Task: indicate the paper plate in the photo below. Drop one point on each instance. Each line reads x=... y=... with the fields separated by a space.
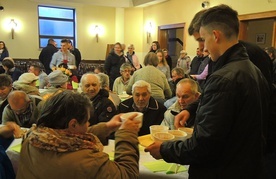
x=145 y=140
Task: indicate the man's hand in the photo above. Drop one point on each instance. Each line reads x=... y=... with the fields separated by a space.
x=131 y=124
x=9 y=129
x=114 y=123
x=154 y=150
x=181 y=118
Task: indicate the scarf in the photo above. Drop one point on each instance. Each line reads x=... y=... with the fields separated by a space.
x=60 y=140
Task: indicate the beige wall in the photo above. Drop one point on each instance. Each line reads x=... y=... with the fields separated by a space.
x=25 y=44
x=182 y=11
x=134 y=30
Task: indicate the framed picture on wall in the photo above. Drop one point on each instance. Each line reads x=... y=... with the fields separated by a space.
x=260 y=38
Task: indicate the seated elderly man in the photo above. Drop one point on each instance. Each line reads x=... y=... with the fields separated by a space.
x=42 y=76
x=187 y=93
x=142 y=101
x=22 y=109
x=104 y=108
x=57 y=81
x=26 y=82
x=5 y=89
x=120 y=83
x=177 y=75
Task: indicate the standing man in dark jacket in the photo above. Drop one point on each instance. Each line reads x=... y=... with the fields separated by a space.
x=104 y=108
x=113 y=63
x=228 y=135
x=196 y=61
x=46 y=54
x=75 y=52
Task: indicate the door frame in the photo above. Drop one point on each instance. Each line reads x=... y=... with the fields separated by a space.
x=163 y=40
x=244 y=19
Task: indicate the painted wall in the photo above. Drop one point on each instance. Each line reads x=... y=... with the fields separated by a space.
x=25 y=43
x=182 y=11
x=134 y=31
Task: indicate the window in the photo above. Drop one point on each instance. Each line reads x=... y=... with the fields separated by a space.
x=57 y=23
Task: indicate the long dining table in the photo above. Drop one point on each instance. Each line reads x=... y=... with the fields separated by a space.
x=145 y=158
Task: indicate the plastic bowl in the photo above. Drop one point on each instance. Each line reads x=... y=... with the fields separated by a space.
x=162 y=136
x=178 y=134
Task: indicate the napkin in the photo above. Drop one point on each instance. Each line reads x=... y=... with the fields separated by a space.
x=16 y=148
x=111 y=156
x=161 y=165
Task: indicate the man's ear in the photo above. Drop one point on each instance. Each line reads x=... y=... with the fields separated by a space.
x=72 y=124
x=197 y=95
x=216 y=35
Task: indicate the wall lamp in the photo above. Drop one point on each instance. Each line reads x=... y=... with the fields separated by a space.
x=97 y=31
x=12 y=25
x=149 y=31
x=205 y=4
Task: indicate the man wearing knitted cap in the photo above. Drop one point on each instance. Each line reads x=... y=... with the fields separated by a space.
x=22 y=109
x=57 y=80
x=26 y=82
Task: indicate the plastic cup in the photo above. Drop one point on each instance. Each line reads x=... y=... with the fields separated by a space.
x=158 y=128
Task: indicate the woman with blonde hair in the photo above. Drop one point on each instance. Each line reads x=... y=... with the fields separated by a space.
x=163 y=65
x=132 y=57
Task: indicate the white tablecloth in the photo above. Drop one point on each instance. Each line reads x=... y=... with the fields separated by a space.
x=144 y=157
x=144 y=172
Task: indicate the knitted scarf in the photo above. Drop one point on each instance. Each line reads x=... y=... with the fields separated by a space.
x=61 y=140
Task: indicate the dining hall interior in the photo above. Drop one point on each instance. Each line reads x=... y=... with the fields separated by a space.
x=127 y=21
x=100 y=25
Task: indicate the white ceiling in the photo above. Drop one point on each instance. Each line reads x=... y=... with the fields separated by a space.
x=112 y=3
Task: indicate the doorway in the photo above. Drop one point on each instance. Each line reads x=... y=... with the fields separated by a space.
x=259 y=28
x=172 y=37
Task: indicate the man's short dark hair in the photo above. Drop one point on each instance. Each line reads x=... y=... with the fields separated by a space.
x=221 y=17
x=36 y=67
x=5 y=80
x=192 y=28
x=271 y=50
x=64 y=41
x=51 y=41
x=7 y=63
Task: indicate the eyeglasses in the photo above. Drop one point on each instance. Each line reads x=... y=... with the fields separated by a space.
x=126 y=71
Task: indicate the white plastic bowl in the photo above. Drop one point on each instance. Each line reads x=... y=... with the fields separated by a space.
x=162 y=136
x=139 y=117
